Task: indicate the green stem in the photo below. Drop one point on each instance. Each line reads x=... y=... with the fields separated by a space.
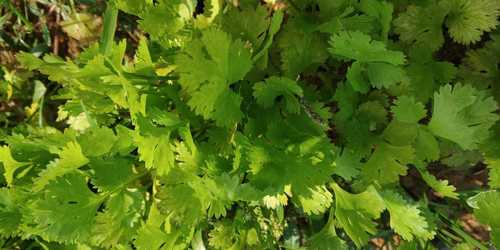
x=108 y=34
x=40 y=112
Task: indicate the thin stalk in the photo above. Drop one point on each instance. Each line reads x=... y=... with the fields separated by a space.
x=40 y=112
x=108 y=34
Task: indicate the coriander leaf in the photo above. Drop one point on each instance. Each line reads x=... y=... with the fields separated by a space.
x=70 y=158
x=10 y=165
x=421 y=26
x=382 y=11
x=327 y=238
x=163 y=21
x=112 y=173
x=405 y=218
x=66 y=210
x=406 y=109
x=156 y=152
x=426 y=74
x=486 y=206
x=296 y=53
x=400 y=133
x=10 y=213
x=355 y=213
x=442 y=187
x=187 y=204
x=494 y=172
x=374 y=63
x=208 y=67
x=384 y=75
x=357 y=78
x=463 y=115
x=387 y=163
x=120 y=219
x=360 y=47
x=249 y=24
x=491 y=152
x=480 y=66
x=347 y=164
x=266 y=93
x=468 y=19
x=426 y=146
x=97 y=141
x=151 y=237
x=275 y=171
x=223 y=190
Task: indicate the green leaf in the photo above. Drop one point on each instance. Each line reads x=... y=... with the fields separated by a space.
x=360 y=47
x=401 y=133
x=164 y=19
x=442 y=187
x=426 y=146
x=479 y=66
x=374 y=63
x=406 y=109
x=66 y=210
x=382 y=11
x=421 y=26
x=156 y=152
x=486 y=206
x=10 y=165
x=355 y=213
x=463 y=115
x=97 y=141
x=426 y=74
x=266 y=93
x=275 y=171
x=119 y=221
x=405 y=218
x=347 y=164
x=384 y=75
x=248 y=24
x=112 y=173
x=468 y=19
x=207 y=68
x=296 y=53
x=357 y=78
x=327 y=238
x=387 y=163
x=10 y=213
x=70 y=159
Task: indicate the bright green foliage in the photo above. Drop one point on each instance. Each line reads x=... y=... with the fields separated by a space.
x=360 y=47
x=10 y=214
x=219 y=62
x=440 y=186
x=426 y=74
x=70 y=159
x=463 y=114
x=10 y=165
x=486 y=205
x=406 y=219
x=69 y=202
x=355 y=213
x=406 y=109
x=374 y=63
x=305 y=124
x=387 y=163
x=298 y=170
x=468 y=19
